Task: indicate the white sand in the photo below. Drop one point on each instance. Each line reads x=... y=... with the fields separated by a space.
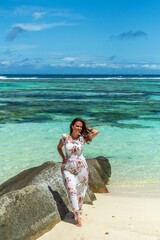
x=113 y=218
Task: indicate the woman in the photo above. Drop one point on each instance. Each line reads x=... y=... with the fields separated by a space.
x=74 y=166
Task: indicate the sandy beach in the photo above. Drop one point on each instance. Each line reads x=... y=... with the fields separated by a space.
x=113 y=217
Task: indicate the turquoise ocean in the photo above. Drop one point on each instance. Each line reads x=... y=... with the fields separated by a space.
x=35 y=110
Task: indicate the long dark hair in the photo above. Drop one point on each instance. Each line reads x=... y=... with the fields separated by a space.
x=78 y=120
x=85 y=133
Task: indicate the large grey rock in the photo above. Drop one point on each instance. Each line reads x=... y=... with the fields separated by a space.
x=26 y=213
x=99 y=174
x=47 y=173
x=37 y=200
x=103 y=167
x=90 y=196
x=32 y=202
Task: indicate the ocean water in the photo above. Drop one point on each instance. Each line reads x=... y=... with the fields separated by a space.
x=36 y=110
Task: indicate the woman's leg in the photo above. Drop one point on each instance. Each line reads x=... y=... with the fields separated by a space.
x=70 y=183
x=81 y=186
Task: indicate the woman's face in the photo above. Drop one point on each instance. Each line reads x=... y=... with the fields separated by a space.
x=77 y=127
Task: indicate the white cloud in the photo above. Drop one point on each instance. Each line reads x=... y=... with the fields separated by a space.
x=38 y=15
x=60 y=65
x=21 y=47
x=5 y=62
x=67 y=13
x=94 y=65
x=82 y=62
x=99 y=65
x=132 y=65
x=39 y=27
x=151 y=66
x=37 y=12
x=21 y=27
x=69 y=59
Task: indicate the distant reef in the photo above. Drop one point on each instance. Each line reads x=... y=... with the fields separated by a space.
x=35 y=200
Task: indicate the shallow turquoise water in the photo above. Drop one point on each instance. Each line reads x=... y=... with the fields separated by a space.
x=35 y=113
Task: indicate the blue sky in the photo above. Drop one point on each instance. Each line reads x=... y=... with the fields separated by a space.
x=75 y=36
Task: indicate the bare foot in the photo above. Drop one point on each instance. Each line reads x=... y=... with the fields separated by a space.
x=79 y=223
